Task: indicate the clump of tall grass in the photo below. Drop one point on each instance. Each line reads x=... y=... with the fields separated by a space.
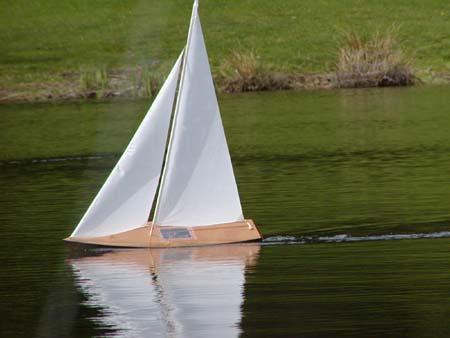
x=146 y=82
x=242 y=71
x=93 y=79
x=377 y=60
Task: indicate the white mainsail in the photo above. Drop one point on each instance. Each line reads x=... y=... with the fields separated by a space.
x=198 y=187
x=125 y=200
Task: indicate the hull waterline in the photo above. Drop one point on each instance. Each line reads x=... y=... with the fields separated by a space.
x=169 y=237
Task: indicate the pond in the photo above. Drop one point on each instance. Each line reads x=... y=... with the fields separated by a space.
x=324 y=173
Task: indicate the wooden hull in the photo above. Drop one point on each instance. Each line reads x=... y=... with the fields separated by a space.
x=169 y=237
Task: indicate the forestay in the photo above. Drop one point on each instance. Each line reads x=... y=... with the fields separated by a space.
x=198 y=186
x=125 y=200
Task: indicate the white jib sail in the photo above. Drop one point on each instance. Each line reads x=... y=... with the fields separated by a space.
x=198 y=186
x=125 y=200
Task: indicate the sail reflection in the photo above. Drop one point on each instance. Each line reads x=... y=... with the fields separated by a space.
x=184 y=292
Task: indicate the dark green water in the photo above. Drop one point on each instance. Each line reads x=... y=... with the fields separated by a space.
x=309 y=164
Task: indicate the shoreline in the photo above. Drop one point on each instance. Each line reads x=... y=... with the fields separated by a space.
x=121 y=86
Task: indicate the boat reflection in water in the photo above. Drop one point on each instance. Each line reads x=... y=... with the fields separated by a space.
x=183 y=292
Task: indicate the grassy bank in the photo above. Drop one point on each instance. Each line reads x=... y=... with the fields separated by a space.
x=49 y=47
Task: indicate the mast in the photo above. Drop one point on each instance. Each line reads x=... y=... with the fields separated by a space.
x=177 y=108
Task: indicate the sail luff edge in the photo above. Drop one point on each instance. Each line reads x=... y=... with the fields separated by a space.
x=177 y=108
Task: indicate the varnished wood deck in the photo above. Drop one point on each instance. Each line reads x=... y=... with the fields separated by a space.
x=244 y=231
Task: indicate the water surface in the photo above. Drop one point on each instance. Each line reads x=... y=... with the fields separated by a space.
x=328 y=166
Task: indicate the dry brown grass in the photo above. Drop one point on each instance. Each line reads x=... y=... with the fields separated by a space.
x=373 y=61
x=243 y=71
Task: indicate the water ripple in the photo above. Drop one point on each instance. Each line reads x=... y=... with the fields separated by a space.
x=273 y=240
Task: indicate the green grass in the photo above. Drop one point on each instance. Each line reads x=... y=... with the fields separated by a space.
x=40 y=40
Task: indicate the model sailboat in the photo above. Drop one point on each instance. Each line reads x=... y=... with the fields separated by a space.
x=197 y=201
